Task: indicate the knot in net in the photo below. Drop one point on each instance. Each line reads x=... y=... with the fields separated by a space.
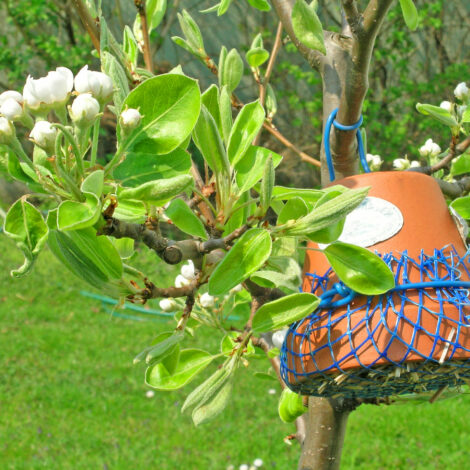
x=415 y=338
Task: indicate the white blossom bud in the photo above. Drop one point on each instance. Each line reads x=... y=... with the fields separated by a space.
x=168 y=305
x=237 y=288
x=130 y=118
x=462 y=92
x=461 y=110
x=272 y=391
x=401 y=164
x=7 y=131
x=11 y=94
x=278 y=337
x=414 y=164
x=207 y=300
x=149 y=393
x=96 y=83
x=11 y=109
x=447 y=105
x=49 y=90
x=44 y=135
x=430 y=149
x=84 y=110
x=244 y=467
x=187 y=270
x=258 y=463
x=181 y=281
x=374 y=161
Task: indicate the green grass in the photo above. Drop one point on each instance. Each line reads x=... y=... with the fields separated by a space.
x=71 y=399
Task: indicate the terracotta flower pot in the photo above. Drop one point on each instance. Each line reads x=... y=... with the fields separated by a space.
x=397 y=328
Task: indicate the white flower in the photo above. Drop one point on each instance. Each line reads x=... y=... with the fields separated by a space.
x=278 y=337
x=84 y=109
x=130 y=118
x=258 y=463
x=461 y=91
x=272 y=391
x=181 y=281
x=207 y=300
x=187 y=270
x=96 y=83
x=43 y=134
x=401 y=164
x=149 y=393
x=461 y=110
x=237 y=288
x=447 y=105
x=11 y=109
x=430 y=149
x=51 y=89
x=7 y=131
x=6 y=95
x=168 y=305
x=244 y=467
x=414 y=164
x=374 y=161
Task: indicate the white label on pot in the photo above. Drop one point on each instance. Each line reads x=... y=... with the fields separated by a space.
x=373 y=221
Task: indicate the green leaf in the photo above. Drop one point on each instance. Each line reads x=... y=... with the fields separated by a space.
x=284 y=311
x=461 y=165
x=256 y=57
x=245 y=128
x=246 y=256
x=261 y=5
x=462 y=206
x=191 y=362
x=310 y=196
x=160 y=346
x=228 y=343
x=133 y=172
x=226 y=113
x=155 y=10
x=249 y=170
x=25 y=225
x=207 y=138
x=273 y=279
x=327 y=214
x=267 y=185
x=294 y=209
x=210 y=99
x=94 y=183
x=290 y=406
x=130 y=47
x=114 y=69
x=212 y=409
x=466 y=115
x=157 y=192
x=124 y=246
x=410 y=14
x=192 y=34
x=271 y=102
x=169 y=105
x=223 y=7
x=74 y=215
x=232 y=71
x=307 y=26
x=360 y=269
x=264 y=376
x=439 y=114
x=131 y=211
x=185 y=219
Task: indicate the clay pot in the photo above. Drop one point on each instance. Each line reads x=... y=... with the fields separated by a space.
x=406 y=333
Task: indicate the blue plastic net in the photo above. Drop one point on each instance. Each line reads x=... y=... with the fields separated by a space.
x=415 y=338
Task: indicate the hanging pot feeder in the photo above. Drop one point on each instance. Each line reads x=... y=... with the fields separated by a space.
x=413 y=338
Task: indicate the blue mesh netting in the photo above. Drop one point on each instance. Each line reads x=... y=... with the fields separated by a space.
x=414 y=338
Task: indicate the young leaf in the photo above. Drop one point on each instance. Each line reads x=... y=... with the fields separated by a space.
x=226 y=113
x=284 y=311
x=25 y=225
x=360 y=269
x=245 y=128
x=130 y=46
x=261 y=5
x=121 y=86
x=461 y=165
x=290 y=406
x=212 y=409
x=246 y=256
x=274 y=279
x=161 y=346
x=133 y=172
x=74 y=215
x=169 y=105
x=210 y=99
x=256 y=57
x=249 y=170
x=439 y=114
x=307 y=26
x=124 y=246
x=192 y=34
x=232 y=71
x=94 y=183
x=267 y=185
x=223 y=7
x=294 y=209
x=191 y=362
x=462 y=206
x=185 y=219
x=158 y=192
x=410 y=14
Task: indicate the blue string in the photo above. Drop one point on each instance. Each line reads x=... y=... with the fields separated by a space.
x=326 y=139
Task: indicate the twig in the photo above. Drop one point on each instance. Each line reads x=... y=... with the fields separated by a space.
x=88 y=22
x=353 y=16
x=270 y=67
x=140 y=5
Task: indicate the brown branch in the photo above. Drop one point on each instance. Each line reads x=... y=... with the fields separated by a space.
x=88 y=22
x=140 y=5
x=352 y=15
x=272 y=61
x=203 y=207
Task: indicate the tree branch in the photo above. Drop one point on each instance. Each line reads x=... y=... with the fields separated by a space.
x=353 y=16
x=140 y=5
x=88 y=22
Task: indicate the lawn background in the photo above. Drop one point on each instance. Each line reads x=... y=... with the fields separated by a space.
x=70 y=397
